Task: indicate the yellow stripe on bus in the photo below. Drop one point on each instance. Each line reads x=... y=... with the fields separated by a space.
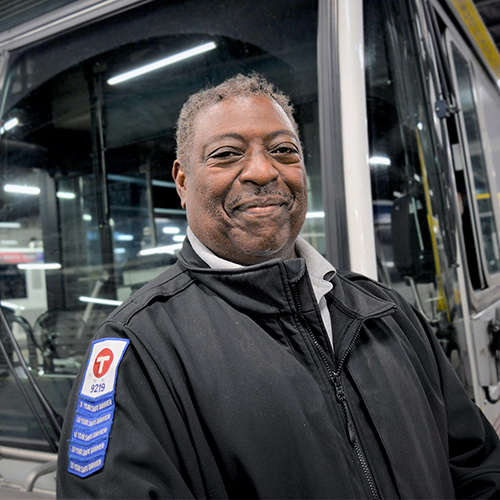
x=483 y=196
x=480 y=33
x=442 y=301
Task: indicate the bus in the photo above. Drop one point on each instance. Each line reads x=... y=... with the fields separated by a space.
x=398 y=104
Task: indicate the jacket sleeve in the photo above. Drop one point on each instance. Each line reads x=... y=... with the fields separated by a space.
x=474 y=446
x=150 y=451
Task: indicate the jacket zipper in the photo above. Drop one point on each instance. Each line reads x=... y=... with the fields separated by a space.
x=340 y=394
x=353 y=439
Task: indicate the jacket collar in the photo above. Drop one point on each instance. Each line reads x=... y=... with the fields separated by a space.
x=318 y=267
x=266 y=289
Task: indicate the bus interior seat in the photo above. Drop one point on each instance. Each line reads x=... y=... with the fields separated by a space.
x=64 y=338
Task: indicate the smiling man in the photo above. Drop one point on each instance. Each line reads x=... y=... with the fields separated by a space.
x=252 y=368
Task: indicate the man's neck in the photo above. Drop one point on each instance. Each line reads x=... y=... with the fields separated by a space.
x=207 y=255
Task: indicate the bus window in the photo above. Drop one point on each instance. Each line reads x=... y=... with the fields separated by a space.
x=481 y=196
x=86 y=155
x=414 y=226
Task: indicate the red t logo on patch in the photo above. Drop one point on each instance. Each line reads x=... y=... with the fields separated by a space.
x=102 y=362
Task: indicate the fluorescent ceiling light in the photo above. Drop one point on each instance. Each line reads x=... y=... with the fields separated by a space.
x=10 y=225
x=124 y=237
x=87 y=217
x=179 y=238
x=126 y=178
x=13 y=188
x=119 y=250
x=171 y=230
x=10 y=305
x=65 y=195
x=165 y=184
x=380 y=160
x=170 y=211
x=170 y=249
x=161 y=63
x=315 y=215
x=9 y=242
x=9 y=124
x=54 y=265
x=105 y=302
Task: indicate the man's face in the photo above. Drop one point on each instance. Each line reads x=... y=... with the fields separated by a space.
x=245 y=189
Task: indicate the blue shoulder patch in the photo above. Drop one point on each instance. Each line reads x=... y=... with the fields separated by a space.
x=95 y=408
x=85 y=468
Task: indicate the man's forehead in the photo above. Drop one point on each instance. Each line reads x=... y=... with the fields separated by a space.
x=229 y=117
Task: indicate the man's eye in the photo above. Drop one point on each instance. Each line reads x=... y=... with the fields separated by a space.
x=285 y=150
x=224 y=155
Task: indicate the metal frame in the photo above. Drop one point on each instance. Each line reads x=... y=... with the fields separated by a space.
x=344 y=140
x=59 y=20
x=48 y=465
x=332 y=165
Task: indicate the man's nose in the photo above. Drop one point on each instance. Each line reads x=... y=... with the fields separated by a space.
x=259 y=169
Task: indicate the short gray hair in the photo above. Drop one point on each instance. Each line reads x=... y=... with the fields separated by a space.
x=233 y=88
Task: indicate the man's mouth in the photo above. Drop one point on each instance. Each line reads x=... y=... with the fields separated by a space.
x=263 y=205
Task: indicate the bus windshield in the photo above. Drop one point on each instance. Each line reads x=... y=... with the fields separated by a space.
x=88 y=207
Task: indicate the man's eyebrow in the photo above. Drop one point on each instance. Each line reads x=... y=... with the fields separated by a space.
x=283 y=132
x=272 y=135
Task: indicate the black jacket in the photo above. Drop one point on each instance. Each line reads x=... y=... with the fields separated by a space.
x=229 y=388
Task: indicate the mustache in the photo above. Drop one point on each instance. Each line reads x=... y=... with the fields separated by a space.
x=259 y=196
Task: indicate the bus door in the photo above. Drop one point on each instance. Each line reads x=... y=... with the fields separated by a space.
x=413 y=199
x=473 y=129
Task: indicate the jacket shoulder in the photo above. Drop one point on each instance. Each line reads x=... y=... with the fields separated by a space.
x=361 y=278
x=371 y=286
x=164 y=286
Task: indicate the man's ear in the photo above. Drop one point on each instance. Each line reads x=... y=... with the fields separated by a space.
x=179 y=176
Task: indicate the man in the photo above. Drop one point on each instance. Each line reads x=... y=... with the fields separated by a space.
x=251 y=368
